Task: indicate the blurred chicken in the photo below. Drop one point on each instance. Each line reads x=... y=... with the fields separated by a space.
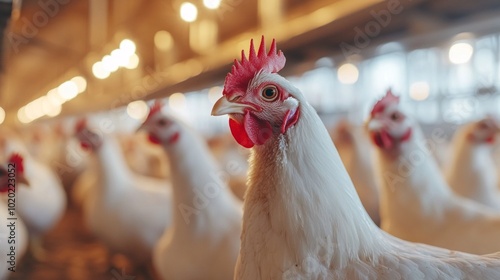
x=233 y=160
x=12 y=232
x=142 y=157
x=472 y=173
x=356 y=154
x=303 y=218
x=129 y=212
x=44 y=202
x=416 y=203
x=203 y=242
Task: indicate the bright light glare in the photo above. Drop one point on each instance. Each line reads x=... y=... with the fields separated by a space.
x=348 y=74
x=164 y=40
x=54 y=97
x=2 y=115
x=68 y=90
x=22 y=117
x=138 y=109
x=177 y=101
x=120 y=57
x=189 y=12
x=128 y=46
x=133 y=62
x=100 y=71
x=80 y=82
x=109 y=64
x=211 y=4
x=460 y=53
x=34 y=110
x=419 y=91
x=49 y=108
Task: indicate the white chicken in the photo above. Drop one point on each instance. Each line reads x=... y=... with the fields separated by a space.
x=416 y=203
x=472 y=173
x=13 y=233
x=203 y=241
x=356 y=154
x=42 y=204
x=128 y=212
x=233 y=160
x=302 y=216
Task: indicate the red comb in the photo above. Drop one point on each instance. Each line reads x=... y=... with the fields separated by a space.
x=81 y=125
x=155 y=108
x=243 y=71
x=17 y=159
x=389 y=98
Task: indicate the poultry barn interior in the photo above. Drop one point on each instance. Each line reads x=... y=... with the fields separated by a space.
x=113 y=124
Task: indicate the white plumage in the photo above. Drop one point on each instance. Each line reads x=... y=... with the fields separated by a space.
x=416 y=203
x=302 y=216
x=127 y=211
x=356 y=153
x=203 y=241
x=472 y=173
x=42 y=204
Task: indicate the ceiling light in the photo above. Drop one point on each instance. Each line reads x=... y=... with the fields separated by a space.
x=138 y=109
x=419 y=91
x=348 y=74
x=2 y=115
x=80 y=82
x=460 y=53
x=68 y=90
x=211 y=4
x=133 y=62
x=164 y=40
x=128 y=46
x=99 y=70
x=189 y=12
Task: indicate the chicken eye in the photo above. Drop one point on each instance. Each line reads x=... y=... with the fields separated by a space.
x=395 y=116
x=162 y=122
x=270 y=93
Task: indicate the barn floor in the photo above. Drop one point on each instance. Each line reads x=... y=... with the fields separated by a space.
x=74 y=254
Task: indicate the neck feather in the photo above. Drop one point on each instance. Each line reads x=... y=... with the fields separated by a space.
x=411 y=179
x=198 y=184
x=112 y=164
x=298 y=180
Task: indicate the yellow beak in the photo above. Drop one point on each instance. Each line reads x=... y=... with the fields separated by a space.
x=224 y=106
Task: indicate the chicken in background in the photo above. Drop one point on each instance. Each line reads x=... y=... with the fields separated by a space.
x=355 y=151
x=302 y=216
x=472 y=172
x=144 y=158
x=127 y=211
x=203 y=241
x=20 y=238
x=234 y=160
x=42 y=205
x=416 y=203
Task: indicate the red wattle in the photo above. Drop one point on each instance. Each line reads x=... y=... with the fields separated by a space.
x=490 y=140
x=383 y=140
x=239 y=134
x=257 y=130
x=153 y=139
x=85 y=145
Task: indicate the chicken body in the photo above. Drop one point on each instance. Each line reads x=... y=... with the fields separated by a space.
x=302 y=216
x=127 y=211
x=472 y=173
x=416 y=202
x=356 y=153
x=203 y=241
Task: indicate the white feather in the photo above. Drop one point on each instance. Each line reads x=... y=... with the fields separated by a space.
x=304 y=220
